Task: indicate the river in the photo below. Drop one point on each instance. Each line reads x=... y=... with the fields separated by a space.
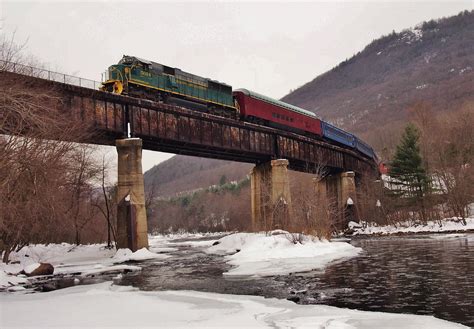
x=430 y=274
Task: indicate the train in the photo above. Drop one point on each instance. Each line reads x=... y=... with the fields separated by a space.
x=141 y=78
x=146 y=79
x=261 y=109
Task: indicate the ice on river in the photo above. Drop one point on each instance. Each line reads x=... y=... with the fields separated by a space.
x=261 y=254
x=106 y=305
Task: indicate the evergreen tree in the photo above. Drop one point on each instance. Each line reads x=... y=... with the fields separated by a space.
x=223 y=180
x=407 y=168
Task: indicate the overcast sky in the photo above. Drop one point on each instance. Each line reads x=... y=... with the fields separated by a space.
x=268 y=47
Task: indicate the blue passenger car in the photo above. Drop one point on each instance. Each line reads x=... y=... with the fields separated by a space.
x=338 y=135
x=364 y=148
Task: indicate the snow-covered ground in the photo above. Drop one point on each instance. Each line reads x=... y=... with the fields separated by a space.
x=260 y=254
x=106 y=305
x=446 y=225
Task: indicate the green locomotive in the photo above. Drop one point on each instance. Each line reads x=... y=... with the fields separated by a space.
x=145 y=79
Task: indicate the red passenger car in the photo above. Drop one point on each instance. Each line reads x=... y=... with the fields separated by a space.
x=256 y=107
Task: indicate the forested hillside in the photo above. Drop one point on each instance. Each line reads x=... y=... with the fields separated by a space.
x=183 y=173
x=372 y=94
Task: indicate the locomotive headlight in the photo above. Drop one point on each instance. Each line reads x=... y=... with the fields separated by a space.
x=118 y=87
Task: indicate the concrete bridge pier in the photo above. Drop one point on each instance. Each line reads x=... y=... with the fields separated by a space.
x=348 y=199
x=270 y=195
x=132 y=231
x=337 y=194
x=348 y=188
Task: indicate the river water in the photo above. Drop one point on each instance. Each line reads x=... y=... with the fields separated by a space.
x=431 y=275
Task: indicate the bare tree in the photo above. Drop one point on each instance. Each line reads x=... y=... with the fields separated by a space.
x=107 y=203
x=315 y=210
x=36 y=165
x=80 y=182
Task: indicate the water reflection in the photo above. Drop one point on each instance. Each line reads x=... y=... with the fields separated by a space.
x=419 y=275
x=407 y=275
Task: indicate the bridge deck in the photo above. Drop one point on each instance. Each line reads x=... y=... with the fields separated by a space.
x=178 y=130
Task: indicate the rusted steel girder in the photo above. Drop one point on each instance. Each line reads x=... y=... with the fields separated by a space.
x=174 y=129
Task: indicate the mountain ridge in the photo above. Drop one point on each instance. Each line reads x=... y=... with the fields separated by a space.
x=394 y=72
x=369 y=94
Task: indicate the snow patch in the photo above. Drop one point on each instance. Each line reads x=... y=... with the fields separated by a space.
x=30 y=268
x=259 y=254
x=9 y=280
x=464 y=70
x=412 y=35
x=352 y=225
x=125 y=255
x=446 y=225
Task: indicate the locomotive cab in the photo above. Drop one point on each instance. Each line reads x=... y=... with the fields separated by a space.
x=114 y=79
x=118 y=75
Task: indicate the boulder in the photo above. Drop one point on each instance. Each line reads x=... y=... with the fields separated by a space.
x=41 y=269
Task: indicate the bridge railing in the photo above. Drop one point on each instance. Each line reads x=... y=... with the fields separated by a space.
x=48 y=75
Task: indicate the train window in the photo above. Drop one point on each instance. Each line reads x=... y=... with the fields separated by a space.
x=168 y=70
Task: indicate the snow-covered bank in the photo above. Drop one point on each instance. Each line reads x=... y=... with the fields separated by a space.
x=446 y=225
x=259 y=254
x=83 y=260
x=93 y=259
x=105 y=305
